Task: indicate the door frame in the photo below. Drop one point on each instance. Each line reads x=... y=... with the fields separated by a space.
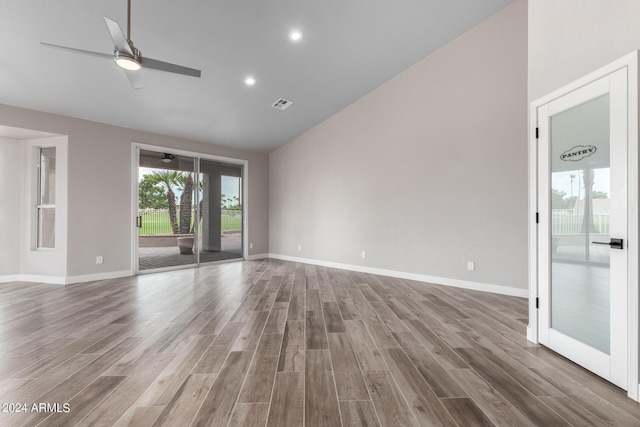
x=630 y=62
x=135 y=163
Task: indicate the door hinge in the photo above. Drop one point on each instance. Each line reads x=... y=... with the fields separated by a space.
x=537 y=302
x=537 y=218
x=537 y=133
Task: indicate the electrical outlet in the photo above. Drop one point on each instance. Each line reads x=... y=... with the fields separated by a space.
x=250 y=245
x=471 y=265
x=99 y=259
x=299 y=247
x=364 y=255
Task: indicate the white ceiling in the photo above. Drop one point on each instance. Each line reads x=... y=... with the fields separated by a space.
x=349 y=47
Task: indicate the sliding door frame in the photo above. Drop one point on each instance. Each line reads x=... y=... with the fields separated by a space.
x=135 y=163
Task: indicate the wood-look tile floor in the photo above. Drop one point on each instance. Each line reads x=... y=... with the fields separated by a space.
x=271 y=343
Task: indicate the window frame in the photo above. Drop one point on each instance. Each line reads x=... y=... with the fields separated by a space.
x=39 y=206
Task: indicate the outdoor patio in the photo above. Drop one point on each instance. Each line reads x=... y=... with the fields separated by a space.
x=161 y=257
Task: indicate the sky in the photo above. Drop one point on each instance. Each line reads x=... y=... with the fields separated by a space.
x=562 y=182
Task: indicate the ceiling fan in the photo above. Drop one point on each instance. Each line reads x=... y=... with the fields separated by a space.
x=128 y=57
x=167 y=158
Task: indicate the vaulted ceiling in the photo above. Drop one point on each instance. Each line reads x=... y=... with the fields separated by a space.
x=348 y=47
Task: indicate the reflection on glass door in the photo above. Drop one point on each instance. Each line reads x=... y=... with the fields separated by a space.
x=580 y=188
x=220 y=199
x=166 y=210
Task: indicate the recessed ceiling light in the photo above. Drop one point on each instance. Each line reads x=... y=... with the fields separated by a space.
x=250 y=81
x=295 y=35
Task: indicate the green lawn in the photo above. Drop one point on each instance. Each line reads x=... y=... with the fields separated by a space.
x=158 y=223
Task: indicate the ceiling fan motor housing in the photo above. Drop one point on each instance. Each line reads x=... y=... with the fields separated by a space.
x=127 y=61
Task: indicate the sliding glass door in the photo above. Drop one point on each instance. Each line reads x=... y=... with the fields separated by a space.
x=221 y=211
x=189 y=211
x=166 y=186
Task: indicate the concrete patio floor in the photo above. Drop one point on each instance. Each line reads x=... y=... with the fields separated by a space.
x=162 y=257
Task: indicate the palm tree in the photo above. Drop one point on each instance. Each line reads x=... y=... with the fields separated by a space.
x=168 y=179
x=200 y=199
x=185 y=180
x=588 y=223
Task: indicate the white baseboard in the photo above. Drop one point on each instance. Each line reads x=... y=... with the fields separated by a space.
x=35 y=278
x=98 y=276
x=58 y=280
x=531 y=336
x=10 y=278
x=477 y=286
x=256 y=256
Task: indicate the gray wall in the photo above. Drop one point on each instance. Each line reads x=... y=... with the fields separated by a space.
x=425 y=173
x=99 y=191
x=10 y=202
x=571 y=38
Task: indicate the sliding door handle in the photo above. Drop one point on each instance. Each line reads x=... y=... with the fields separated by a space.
x=613 y=243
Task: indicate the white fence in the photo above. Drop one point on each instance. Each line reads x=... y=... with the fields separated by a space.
x=566 y=222
x=156 y=221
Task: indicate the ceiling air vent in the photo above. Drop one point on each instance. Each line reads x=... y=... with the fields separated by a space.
x=282 y=104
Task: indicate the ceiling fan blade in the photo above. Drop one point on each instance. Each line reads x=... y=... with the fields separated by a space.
x=154 y=64
x=81 y=51
x=119 y=39
x=135 y=78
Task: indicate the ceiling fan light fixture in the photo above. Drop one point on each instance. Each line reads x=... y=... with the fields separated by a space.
x=167 y=157
x=126 y=61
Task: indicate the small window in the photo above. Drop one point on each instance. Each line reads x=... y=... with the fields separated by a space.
x=46 y=199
